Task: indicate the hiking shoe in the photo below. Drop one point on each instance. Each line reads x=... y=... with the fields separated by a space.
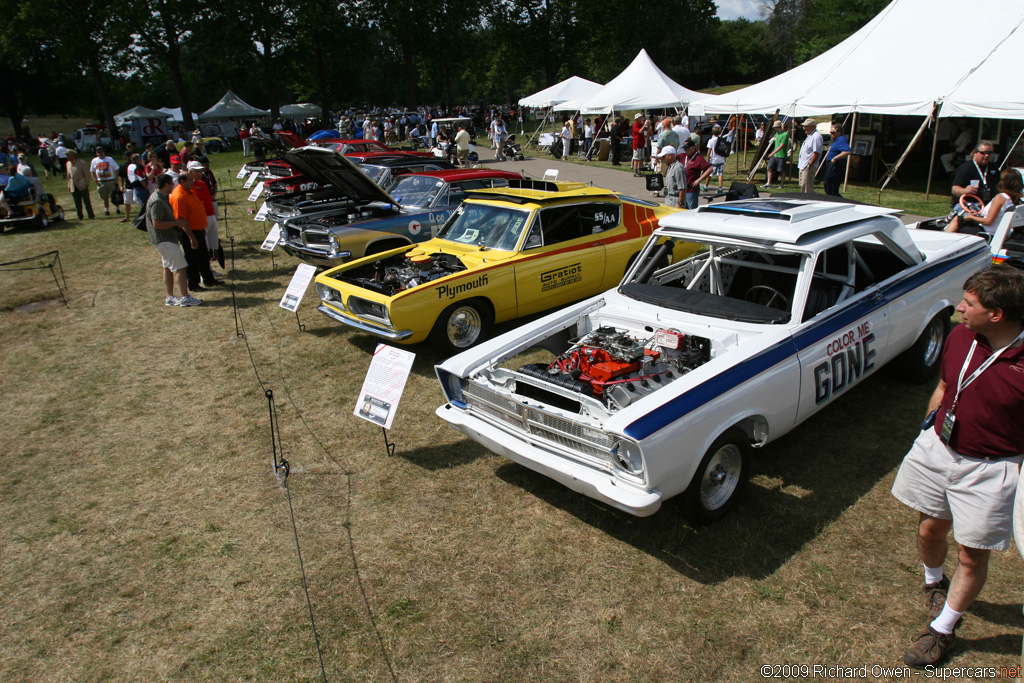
x=171 y=301
x=930 y=648
x=936 y=596
x=189 y=300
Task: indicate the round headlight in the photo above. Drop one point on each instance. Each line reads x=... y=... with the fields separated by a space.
x=629 y=458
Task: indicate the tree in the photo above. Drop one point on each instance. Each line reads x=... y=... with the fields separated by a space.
x=163 y=25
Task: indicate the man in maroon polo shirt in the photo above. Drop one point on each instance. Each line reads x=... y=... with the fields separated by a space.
x=962 y=470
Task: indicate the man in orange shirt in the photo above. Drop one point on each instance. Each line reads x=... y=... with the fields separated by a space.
x=187 y=206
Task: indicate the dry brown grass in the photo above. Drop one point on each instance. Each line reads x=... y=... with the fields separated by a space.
x=147 y=538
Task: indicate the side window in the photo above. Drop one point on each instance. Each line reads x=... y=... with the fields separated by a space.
x=831 y=281
x=499 y=182
x=875 y=262
x=560 y=224
x=597 y=218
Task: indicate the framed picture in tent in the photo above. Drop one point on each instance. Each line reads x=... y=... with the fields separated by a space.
x=863 y=145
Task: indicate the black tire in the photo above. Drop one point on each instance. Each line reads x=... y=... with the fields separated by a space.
x=58 y=215
x=41 y=220
x=720 y=478
x=920 y=363
x=460 y=326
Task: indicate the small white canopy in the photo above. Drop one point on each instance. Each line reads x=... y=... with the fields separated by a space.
x=304 y=109
x=641 y=85
x=902 y=62
x=139 y=113
x=231 y=106
x=572 y=88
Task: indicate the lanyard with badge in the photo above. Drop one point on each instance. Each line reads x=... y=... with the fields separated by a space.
x=986 y=192
x=949 y=421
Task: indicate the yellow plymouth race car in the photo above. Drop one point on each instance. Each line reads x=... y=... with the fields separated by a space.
x=505 y=253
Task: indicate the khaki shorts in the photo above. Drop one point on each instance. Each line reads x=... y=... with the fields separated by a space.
x=976 y=494
x=105 y=188
x=171 y=256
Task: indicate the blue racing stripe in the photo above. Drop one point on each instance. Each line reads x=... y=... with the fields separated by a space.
x=732 y=377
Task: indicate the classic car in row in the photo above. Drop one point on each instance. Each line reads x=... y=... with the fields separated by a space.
x=422 y=204
x=503 y=254
x=664 y=384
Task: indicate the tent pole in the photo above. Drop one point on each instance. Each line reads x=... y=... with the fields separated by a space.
x=892 y=171
x=1006 y=157
x=853 y=132
x=931 y=163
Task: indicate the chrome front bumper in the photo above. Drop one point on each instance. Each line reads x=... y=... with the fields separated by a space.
x=363 y=326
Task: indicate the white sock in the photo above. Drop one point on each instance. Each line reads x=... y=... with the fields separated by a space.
x=946 y=622
x=932 y=574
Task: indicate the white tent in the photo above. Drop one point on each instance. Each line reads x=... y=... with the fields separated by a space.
x=304 y=109
x=231 y=106
x=572 y=88
x=139 y=113
x=641 y=85
x=174 y=113
x=902 y=62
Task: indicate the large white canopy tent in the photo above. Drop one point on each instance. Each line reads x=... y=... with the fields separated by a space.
x=641 y=85
x=572 y=88
x=231 y=106
x=902 y=63
x=174 y=113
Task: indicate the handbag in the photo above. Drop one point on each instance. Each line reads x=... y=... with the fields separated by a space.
x=655 y=181
x=140 y=222
x=116 y=197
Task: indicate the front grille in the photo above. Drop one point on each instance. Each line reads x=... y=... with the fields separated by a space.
x=552 y=428
x=315 y=238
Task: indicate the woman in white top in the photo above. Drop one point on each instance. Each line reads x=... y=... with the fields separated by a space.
x=1011 y=187
x=566 y=140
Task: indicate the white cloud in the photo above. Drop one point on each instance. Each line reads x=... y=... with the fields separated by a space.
x=739 y=9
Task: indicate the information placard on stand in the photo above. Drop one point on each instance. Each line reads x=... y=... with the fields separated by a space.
x=261 y=215
x=273 y=237
x=297 y=287
x=256 y=192
x=251 y=179
x=385 y=381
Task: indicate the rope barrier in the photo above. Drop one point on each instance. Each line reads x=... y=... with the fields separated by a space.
x=282 y=469
x=9 y=267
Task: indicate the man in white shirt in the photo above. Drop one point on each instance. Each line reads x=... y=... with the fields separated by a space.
x=810 y=153
x=104 y=172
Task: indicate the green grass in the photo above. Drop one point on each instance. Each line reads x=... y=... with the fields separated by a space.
x=148 y=540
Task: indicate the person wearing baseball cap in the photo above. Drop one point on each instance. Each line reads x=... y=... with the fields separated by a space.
x=199 y=260
x=777 y=155
x=175 y=170
x=810 y=153
x=697 y=171
x=675 y=178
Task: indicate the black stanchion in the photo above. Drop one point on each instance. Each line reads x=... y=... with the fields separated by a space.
x=388 y=446
x=302 y=328
x=239 y=332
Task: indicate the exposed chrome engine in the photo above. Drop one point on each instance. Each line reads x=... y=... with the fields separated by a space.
x=398 y=273
x=617 y=368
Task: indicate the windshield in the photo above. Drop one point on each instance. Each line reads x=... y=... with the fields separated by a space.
x=335 y=146
x=743 y=283
x=493 y=227
x=415 y=190
x=375 y=173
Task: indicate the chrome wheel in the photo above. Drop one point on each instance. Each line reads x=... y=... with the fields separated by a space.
x=721 y=477
x=934 y=336
x=463 y=327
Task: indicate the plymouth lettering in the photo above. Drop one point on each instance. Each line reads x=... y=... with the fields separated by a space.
x=561 y=277
x=845 y=365
x=452 y=291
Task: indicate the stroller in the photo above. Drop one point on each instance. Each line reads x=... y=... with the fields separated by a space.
x=23 y=202
x=511 y=149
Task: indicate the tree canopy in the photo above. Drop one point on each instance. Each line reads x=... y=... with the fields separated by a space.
x=93 y=61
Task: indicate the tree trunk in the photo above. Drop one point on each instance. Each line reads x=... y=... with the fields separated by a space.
x=321 y=82
x=101 y=91
x=410 y=78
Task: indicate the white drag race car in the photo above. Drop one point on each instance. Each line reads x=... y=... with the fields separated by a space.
x=664 y=385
